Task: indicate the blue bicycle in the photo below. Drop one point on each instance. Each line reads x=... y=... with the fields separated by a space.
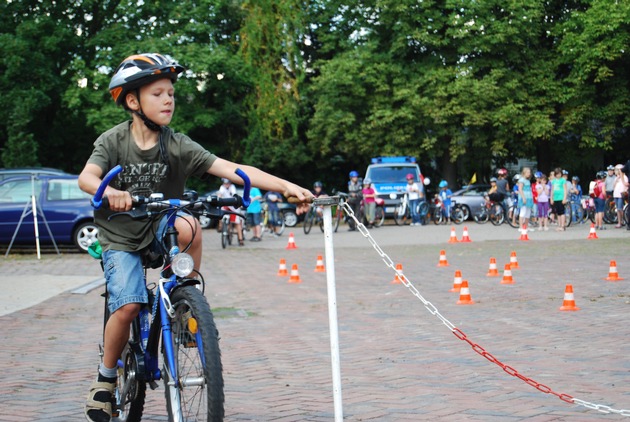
x=176 y=323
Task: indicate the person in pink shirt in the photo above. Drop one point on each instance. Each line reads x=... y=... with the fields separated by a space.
x=369 y=202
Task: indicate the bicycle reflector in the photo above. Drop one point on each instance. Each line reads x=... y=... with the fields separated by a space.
x=182 y=264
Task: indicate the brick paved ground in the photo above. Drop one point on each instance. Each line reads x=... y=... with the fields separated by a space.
x=398 y=362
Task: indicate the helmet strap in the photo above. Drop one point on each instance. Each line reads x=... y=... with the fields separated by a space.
x=156 y=128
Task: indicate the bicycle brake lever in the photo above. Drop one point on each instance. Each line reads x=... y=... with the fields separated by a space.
x=135 y=214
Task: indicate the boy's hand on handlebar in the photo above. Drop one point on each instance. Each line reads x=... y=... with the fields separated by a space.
x=300 y=196
x=118 y=200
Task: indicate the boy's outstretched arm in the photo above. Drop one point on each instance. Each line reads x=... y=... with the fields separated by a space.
x=260 y=179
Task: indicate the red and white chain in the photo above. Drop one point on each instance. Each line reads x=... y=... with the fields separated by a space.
x=460 y=334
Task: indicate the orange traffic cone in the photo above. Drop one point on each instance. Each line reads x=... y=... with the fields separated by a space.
x=514 y=261
x=492 y=269
x=569 y=300
x=613 y=275
x=398 y=279
x=453 y=238
x=291 y=244
x=507 y=275
x=457 y=281
x=319 y=265
x=524 y=235
x=295 y=276
x=464 y=294
x=282 y=268
x=592 y=234
x=443 y=262
x=465 y=237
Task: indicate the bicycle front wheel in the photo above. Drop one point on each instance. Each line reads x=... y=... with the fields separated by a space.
x=513 y=216
x=400 y=214
x=198 y=394
x=308 y=222
x=457 y=215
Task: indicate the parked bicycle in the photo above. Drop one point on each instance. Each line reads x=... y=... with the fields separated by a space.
x=176 y=323
x=402 y=212
x=313 y=217
x=270 y=227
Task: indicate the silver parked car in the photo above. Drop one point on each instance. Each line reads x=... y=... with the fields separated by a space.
x=470 y=198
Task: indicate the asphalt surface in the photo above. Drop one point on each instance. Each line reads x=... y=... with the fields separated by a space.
x=398 y=361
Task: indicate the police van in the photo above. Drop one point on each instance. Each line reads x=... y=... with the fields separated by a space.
x=389 y=178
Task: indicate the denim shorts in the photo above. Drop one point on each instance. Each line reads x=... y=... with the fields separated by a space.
x=619 y=203
x=124 y=273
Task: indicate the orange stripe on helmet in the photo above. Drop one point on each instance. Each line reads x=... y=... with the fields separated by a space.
x=140 y=57
x=116 y=93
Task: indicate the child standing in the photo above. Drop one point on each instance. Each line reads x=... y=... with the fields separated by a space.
x=559 y=195
x=525 y=198
x=369 y=202
x=445 y=197
x=542 y=188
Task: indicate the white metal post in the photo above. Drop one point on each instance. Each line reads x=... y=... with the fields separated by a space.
x=332 y=312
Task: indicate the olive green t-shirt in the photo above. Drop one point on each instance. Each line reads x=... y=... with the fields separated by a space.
x=143 y=173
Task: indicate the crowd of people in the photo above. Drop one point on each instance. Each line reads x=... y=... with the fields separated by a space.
x=555 y=192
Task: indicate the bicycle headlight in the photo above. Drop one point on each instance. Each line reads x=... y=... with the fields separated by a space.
x=182 y=265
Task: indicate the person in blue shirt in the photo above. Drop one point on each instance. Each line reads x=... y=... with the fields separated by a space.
x=273 y=199
x=254 y=217
x=445 y=197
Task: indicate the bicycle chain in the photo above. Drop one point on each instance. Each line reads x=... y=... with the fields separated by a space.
x=460 y=334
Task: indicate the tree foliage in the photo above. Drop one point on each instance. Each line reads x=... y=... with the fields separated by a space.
x=314 y=88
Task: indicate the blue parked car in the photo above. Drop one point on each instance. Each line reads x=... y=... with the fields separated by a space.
x=67 y=209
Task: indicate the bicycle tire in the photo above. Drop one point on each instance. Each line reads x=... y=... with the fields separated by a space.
x=379 y=216
x=626 y=214
x=308 y=221
x=224 y=234
x=202 y=397
x=497 y=215
x=568 y=215
x=610 y=211
x=513 y=217
x=423 y=211
x=457 y=215
x=482 y=217
x=438 y=216
x=131 y=410
x=230 y=233
x=338 y=212
x=400 y=214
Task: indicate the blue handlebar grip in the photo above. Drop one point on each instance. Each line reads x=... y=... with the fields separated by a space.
x=97 y=200
x=246 y=187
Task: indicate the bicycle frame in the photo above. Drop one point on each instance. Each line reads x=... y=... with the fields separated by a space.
x=145 y=339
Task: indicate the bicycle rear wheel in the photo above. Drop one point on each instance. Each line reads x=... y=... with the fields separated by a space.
x=379 y=216
x=497 y=215
x=199 y=394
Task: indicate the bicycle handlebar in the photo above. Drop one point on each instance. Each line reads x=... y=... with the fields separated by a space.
x=97 y=200
x=157 y=203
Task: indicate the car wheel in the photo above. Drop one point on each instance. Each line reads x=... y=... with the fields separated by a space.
x=84 y=235
x=205 y=221
x=290 y=218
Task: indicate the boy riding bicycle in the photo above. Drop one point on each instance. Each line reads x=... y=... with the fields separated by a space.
x=155 y=159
